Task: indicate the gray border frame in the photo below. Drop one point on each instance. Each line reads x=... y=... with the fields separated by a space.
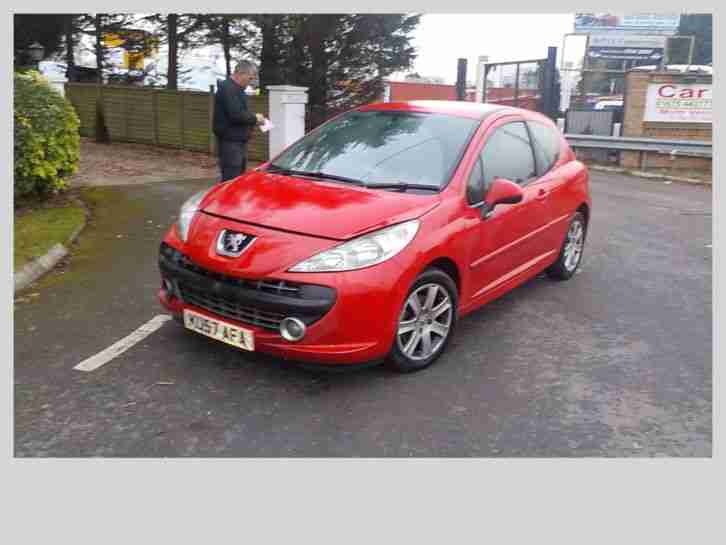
x=519 y=501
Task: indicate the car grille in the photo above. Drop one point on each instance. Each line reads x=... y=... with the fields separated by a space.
x=258 y=302
x=278 y=287
x=230 y=309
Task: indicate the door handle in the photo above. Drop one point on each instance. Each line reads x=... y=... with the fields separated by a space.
x=542 y=194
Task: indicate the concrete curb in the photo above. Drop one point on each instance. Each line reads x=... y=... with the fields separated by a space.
x=148 y=179
x=138 y=180
x=649 y=175
x=41 y=265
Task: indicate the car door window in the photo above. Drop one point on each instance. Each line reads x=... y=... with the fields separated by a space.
x=508 y=154
x=475 y=188
x=546 y=142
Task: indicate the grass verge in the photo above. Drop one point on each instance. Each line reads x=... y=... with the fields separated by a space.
x=36 y=231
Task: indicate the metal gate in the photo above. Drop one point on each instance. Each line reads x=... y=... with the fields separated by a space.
x=595 y=122
x=598 y=122
x=530 y=84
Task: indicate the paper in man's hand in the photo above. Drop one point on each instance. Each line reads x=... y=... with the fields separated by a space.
x=266 y=126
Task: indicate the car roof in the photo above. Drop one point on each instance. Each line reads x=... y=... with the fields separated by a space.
x=473 y=110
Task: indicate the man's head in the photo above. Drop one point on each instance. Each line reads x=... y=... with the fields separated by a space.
x=245 y=73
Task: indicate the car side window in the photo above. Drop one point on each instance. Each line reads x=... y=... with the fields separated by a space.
x=508 y=154
x=546 y=146
x=475 y=189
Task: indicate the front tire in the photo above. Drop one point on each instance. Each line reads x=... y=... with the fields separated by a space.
x=571 y=251
x=426 y=322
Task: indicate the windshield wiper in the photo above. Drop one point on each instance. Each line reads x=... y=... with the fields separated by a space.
x=334 y=177
x=402 y=186
x=322 y=175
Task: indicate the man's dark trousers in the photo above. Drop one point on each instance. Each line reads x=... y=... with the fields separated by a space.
x=232 y=158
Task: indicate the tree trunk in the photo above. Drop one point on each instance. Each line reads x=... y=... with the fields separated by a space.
x=269 y=54
x=99 y=47
x=70 y=59
x=297 y=70
x=226 y=45
x=171 y=75
x=319 y=69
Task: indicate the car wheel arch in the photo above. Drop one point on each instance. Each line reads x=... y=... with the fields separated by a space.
x=448 y=266
x=585 y=210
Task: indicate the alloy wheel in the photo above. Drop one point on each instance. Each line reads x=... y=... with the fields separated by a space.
x=573 y=245
x=425 y=322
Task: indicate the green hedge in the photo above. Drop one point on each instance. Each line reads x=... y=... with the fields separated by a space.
x=47 y=141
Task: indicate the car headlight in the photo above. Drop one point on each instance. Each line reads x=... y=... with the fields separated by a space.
x=364 y=251
x=188 y=209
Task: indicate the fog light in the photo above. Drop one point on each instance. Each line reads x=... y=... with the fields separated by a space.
x=292 y=329
x=168 y=287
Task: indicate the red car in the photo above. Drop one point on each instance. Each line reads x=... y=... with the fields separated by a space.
x=372 y=235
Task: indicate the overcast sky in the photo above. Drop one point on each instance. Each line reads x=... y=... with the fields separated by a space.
x=441 y=39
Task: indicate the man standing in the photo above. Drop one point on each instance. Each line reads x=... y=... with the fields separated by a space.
x=233 y=122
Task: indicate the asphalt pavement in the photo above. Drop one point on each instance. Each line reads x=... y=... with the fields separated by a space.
x=615 y=362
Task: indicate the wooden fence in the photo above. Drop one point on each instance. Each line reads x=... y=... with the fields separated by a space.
x=177 y=119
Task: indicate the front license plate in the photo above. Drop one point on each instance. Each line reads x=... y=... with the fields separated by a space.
x=217 y=329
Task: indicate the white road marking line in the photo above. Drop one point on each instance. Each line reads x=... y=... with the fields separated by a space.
x=117 y=348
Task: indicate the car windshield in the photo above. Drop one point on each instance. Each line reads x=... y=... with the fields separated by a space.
x=383 y=147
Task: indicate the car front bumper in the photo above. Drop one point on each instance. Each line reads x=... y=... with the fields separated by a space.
x=350 y=317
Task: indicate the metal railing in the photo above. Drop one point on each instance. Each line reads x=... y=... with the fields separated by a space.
x=689 y=148
x=674 y=148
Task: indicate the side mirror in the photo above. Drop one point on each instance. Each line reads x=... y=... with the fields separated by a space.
x=503 y=191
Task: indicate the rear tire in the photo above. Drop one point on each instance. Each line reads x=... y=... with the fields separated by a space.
x=571 y=251
x=426 y=322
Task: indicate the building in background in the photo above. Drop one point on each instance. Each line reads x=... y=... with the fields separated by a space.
x=615 y=44
x=672 y=105
x=130 y=48
x=415 y=78
x=395 y=91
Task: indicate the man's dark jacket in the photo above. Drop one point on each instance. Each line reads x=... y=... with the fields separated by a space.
x=232 y=119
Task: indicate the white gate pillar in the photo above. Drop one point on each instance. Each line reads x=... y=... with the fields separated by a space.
x=480 y=62
x=287 y=114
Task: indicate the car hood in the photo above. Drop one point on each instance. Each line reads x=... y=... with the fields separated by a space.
x=313 y=207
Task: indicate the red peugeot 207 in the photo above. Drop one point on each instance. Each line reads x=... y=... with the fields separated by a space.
x=372 y=235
